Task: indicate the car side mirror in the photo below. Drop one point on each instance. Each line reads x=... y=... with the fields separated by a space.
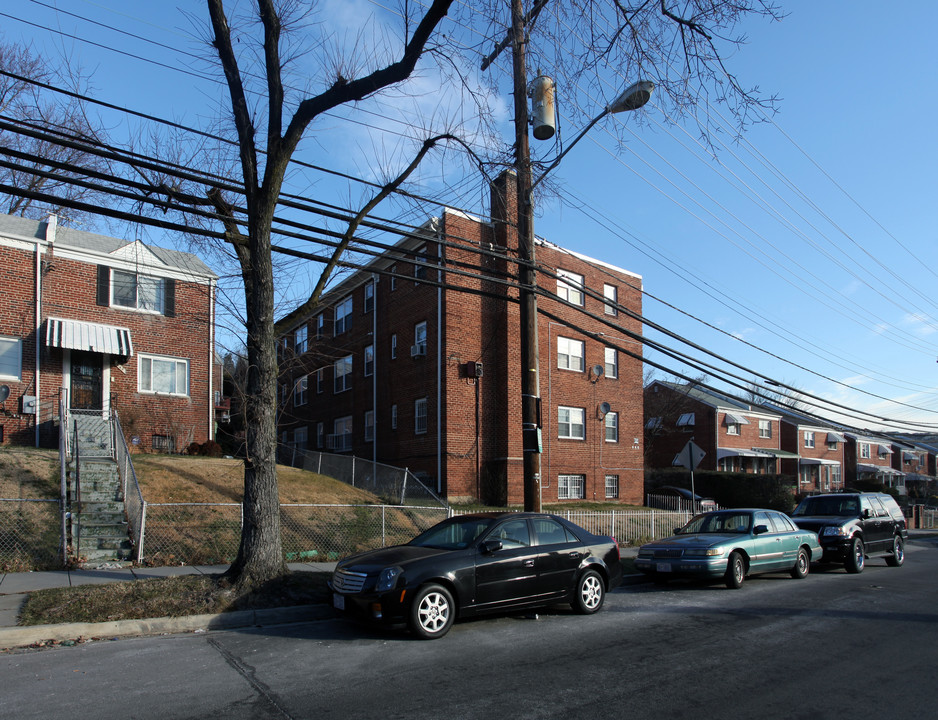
x=865 y=514
x=490 y=546
x=677 y=531
x=760 y=529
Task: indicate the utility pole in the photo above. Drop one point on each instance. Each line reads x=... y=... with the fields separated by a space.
x=530 y=360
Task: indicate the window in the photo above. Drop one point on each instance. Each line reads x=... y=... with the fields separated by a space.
x=392 y=270
x=865 y=451
x=612 y=487
x=11 y=358
x=320 y=435
x=320 y=326
x=394 y=417
x=571 y=423
x=551 y=532
x=513 y=534
x=369 y=425
x=283 y=392
x=163 y=443
x=732 y=428
x=571 y=487
x=299 y=392
x=300 y=438
x=653 y=423
x=612 y=427
x=394 y=346
x=570 y=287
x=420 y=271
x=369 y=297
x=300 y=343
x=343 y=316
x=341 y=439
x=163 y=375
x=611 y=293
x=570 y=354
x=831 y=444
x=343 y=374
x=765 y=428
x=142 y=292
x=809 y=439
x=612 y=363
x=420 y=416
x=420 y=340
x=369 y=360
x=319 y=380
x=686 y=421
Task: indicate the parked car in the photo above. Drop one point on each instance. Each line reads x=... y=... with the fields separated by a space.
x=731 y=544
x=855 y=526
x=670 y=497
x=473 y=564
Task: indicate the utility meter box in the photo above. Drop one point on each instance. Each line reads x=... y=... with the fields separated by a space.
x=29 y=405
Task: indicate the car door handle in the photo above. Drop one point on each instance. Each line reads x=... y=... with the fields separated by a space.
x=575 y=555
x=529 y=563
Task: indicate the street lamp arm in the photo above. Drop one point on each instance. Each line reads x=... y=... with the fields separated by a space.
x=569 y=147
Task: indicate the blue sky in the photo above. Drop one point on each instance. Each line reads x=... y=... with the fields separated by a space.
x=812 y=238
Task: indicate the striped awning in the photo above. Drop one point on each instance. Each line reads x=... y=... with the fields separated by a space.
x=835 y=437
x=733 y=419
x=94 y=337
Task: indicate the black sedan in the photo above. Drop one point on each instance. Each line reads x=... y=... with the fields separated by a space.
x=473 y=564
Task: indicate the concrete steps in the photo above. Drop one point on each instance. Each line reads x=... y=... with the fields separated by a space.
x=99 y=527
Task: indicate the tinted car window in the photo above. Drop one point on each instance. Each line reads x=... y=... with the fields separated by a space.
x=513 y=534
x=828 y=505
x=878 y=508
x=551 y=532
x=866 y=507
x=455 y=534
x=783 y=523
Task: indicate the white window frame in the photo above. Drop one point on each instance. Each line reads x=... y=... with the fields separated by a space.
x=612 y=487
x=369 y=297
x=320 y=326
x=420 y=271
x=732 y=428
x=343 y=317
x=765 y=428
x=369 y=425
x=569 y=351
x=369 y=360
x=570 y=287
x=347 y=426
x=392 y=270
x=342 y=380
x=569 y=419
x=145 y=374
x=611 y=294
x=571 y=487
x=420 y=337
x=156 y=306
x=864 y=451
x=809 y=438
x=11 y=358
x=320 y=374
x=611 y=423
x=301 y=391
x=611 y=361
x=301 y=340
x=420 y=416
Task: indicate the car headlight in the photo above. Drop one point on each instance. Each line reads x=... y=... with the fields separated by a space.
x=703 y=552
x=834 y=530
x=388 y=578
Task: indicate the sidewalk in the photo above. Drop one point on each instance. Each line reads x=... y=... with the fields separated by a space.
x=15 y=586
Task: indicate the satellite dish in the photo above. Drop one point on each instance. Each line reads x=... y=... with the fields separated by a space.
x=4 y=392
x=598 y=371
x=604 y=408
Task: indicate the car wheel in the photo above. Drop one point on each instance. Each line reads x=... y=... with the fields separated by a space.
x=735 y=571
x=855 y=557
x=432 y=612
x=898 y=552
x=590 y=593
x=800 y=570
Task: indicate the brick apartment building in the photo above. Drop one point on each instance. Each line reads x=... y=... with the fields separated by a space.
x=415 y=362
x=104 y=323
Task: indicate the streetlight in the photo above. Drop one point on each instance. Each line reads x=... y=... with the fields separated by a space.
x=632 y=98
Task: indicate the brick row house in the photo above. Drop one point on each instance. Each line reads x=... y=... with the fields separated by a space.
x=102 y=323
x=414 y=361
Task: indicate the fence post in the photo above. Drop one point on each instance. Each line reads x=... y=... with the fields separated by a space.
x=404 y=485
x=353 y=471
x=319 y=468
x=384 y=539
x=143 y=525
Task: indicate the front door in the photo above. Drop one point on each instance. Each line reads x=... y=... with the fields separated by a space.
x=87 y=381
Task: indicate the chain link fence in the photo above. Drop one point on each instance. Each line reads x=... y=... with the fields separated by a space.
x=30 y=535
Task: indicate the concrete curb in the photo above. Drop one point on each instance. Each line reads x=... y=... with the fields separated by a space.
x=17 y=637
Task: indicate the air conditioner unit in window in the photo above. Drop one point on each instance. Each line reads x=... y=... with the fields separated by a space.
x=418 y=350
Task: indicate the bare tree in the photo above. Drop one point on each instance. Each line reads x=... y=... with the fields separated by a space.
x=39 y=156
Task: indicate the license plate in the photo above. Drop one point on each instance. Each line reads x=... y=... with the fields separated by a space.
x=664 y=567
x=338 y=601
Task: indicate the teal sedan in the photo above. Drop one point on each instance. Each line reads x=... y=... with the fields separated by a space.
x=731 y=544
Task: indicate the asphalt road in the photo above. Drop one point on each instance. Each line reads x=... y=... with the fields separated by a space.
x=830 y=646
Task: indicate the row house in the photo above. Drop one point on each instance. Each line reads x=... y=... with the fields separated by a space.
x=735 y=436
x=415 y=361
x=99 y=323
x=820 y=451
x=870 y=458
x=917 y=462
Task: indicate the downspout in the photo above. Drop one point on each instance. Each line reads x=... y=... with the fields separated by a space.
x=211 y=360
x=439 y=363
x=374 y=372
x=51 y=225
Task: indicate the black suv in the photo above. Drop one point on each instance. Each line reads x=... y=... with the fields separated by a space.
x=854 y=526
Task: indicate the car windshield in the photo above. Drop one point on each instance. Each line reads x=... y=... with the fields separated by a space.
x=833 y=506
x=718 y=523
x=453 y=534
